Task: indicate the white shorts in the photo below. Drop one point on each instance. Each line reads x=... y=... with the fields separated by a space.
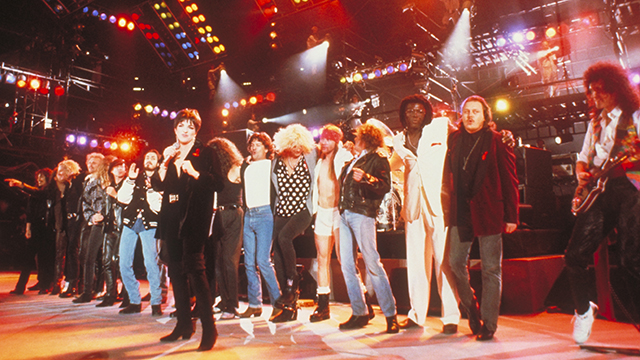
x=327 y=220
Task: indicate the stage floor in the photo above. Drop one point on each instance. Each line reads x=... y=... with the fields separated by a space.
x=47 y=327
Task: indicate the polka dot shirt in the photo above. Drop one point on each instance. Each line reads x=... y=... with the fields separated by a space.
x=294 y=189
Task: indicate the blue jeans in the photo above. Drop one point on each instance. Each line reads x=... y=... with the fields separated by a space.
x=257 y=241
x=150 y=253
x=359 y=231
x=460 y=240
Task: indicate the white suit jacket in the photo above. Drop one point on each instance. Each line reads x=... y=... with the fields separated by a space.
x=423 y=173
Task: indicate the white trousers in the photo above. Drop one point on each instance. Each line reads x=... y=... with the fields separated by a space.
x=426 y=241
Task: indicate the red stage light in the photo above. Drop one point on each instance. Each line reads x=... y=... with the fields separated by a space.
x=259 y=98
x=135 y=17
x=271 y=96
x=43 y=91
x=156 y=36
x=149 y=35
x=263 y=2
x=59 y=90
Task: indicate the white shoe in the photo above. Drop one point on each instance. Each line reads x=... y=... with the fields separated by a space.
x=582 y=324
x=227 y=316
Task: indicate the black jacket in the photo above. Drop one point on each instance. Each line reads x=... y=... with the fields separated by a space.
x=364 y=197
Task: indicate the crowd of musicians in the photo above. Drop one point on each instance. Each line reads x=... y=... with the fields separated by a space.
x=196 y=207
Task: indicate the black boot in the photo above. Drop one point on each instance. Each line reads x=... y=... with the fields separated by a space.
x=322 y=311
x=289 y=294
x=288 y=313
x=369 y=306
x=473 y=314
x=182 y=330
x=209 y=334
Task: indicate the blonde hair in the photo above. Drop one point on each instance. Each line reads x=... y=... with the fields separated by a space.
x=95 y=155
x=102 y=174
x=70 y=165
x=292 y=137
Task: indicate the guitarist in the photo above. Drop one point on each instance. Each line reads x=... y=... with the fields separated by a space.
x=612 y=131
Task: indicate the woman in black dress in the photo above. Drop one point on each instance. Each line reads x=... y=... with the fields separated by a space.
x=188 y=179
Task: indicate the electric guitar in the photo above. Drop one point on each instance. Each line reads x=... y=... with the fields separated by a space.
x=587 y=194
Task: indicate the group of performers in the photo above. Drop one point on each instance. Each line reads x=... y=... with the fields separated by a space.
x=460 y=185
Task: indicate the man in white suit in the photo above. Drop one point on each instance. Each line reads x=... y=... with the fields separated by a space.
x=422 y=148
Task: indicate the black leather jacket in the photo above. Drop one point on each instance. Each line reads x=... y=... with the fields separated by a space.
x=364 y=197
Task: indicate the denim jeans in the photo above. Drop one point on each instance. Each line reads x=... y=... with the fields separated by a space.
x=460 y=240
x=127 y=250
x=359 y=231
x=257 y=241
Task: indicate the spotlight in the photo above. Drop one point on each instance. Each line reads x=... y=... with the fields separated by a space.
x=21 y=83
x=390 y=69
x=227 y=105
x=501 y=41
x=107 y=145
x=114 y=146
x=377 y=72
x=563 y=138
x=164 y=113
x=71 y=138
x=148 y=109
x=502 y=105
x=10 y=78
x=225 y=112
x=156 y=110
x=125 y=146
x=253 y=100
x=59 y=90
x=403 y=67
x=243 y=102
x=34 y=84
x=103 y=16
x=259 y=98
x=82 y=140
x=551 y=32
x=635 y=79
x=173 y=115
x=357 y=77
x=93 y=143
x=137 y=107
x=517 y=37
x=131 y=26
x=531 y=35
x=273 y=34
x=235 y=104
x=271 y=96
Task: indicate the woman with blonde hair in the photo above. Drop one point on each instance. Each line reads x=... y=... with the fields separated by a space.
x=292 y=172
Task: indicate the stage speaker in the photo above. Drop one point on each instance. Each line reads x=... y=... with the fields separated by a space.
x=534 y=170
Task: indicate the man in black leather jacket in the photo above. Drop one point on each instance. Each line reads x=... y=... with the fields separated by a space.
x=364 y=181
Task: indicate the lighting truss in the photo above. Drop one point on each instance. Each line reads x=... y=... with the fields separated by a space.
x=62 y=8
x=177 y=30
x=205 y=39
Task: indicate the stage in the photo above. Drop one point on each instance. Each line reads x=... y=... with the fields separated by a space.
x=47 y=327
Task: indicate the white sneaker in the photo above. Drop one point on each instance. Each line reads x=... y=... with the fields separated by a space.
x=582 y=324
x=227 y=316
